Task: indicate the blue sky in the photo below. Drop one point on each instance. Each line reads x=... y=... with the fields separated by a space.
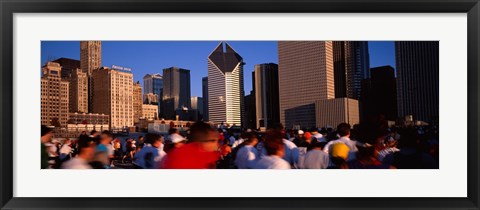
x=146 y=57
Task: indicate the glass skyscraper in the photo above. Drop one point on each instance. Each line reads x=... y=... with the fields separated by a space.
x=153 y=83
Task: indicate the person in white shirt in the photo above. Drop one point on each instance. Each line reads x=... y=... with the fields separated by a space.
x=291 y=152
x=316 y=158
x=318 y=136
x=247 y=155
x=65 y=150
x=343 y=130
x=149 y=157
x=85 y=155
x=175 y=141
x=275 y=151
x=390 y=148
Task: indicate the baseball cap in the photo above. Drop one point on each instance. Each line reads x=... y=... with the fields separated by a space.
x=300 y=132
x=339 y=150
x=308 y=135
x=176 y=138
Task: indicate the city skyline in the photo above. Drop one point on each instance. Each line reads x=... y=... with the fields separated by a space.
x=151 y=57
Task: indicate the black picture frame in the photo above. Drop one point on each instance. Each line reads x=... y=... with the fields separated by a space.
x=10 y=7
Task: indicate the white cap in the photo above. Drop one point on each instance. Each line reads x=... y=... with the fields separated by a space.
x=300 y=132
x=175 y=138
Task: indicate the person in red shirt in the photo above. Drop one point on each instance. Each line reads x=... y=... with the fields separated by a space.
x=200 y=152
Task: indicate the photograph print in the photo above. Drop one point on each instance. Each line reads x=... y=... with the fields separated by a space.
x=239 y=104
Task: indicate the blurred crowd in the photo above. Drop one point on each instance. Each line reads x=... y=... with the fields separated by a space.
x=365 y=146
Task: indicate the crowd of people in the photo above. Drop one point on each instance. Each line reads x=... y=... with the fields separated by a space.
x=365 y=146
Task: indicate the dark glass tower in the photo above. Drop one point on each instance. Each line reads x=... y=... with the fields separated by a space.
x=351 y=66
x=266 y=95
x=382 y=96
x=205 y=98
x=418 y=79
x=176 y=90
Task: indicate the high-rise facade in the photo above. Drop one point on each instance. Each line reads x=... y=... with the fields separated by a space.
x=197 y=103
x=153 y=84
x=417 y=64
x=113 y=95
x=78 y=87
x=176 y=90
x=306 y=74
x=351 y=66
x=250 y=111
x=90 y=56
x=78 y=91
x=68 y=66
x=137 y=101
x=362 y=67
x=225 y=85
x=90 y=60
x=266 y=95
x=382 y=96
x=205 y=97
x=54 y=96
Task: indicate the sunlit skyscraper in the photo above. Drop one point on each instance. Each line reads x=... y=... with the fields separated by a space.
x=225 y=85
x=305 y=73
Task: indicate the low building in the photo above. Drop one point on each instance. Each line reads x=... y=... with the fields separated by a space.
x=162 y=126
x=149 y=112
x=82 y=122
x=186 y=114
x=331 y=112
x=88 y=118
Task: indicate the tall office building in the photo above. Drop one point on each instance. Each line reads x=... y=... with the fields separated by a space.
x=417 y=65
x=266 y=95
x=90 y=60
x=205 y=97
x=68 y=66
x=78 y=87
x=197 y=103
x=137 y=101
x=351 y=65
x=176 y=90
x=54 y=96
x=225 y=85
x=305 y=73
x=90 y=56
x=362 y=67
x=382 y=96
x=250 y=111
x=153 y=84
x=113 y=95
x=78 y=91
x=149 y=112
